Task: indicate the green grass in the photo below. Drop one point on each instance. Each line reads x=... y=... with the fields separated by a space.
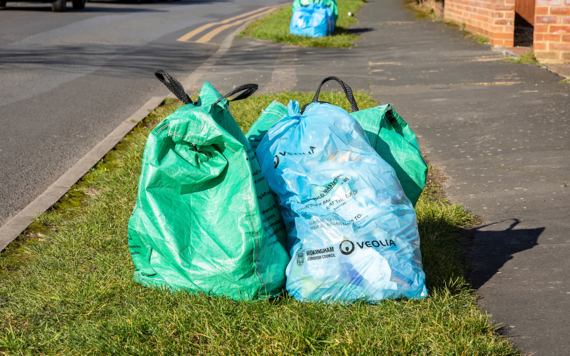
x=479 y=39
x=527 y=58
x=564 y=81
x=475 y=37
x=275 y=27
x=69 y=288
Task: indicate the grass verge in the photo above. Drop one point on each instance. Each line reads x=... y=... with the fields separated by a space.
x=71 y=290
x=527 y=58
x=275 y=27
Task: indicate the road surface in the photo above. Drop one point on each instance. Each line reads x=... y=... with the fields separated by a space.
x=68 y=79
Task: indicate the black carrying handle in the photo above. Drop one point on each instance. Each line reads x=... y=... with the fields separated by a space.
x=174 y=86
x=390 y=115
x=347 y=92
x=247 y=89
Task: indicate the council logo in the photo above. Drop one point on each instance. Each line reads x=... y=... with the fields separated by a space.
x=346 y=247
x=300 y=258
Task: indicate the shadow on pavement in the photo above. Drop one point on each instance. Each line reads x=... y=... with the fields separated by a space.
x=490 y=250
x=46 y=7
x=358 y=31
x=108 y=60
x=161 y=2
x=88 y=9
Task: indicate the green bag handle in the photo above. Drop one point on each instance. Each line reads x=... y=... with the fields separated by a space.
x=174 y=86
x=248 y=90
x=347 y=92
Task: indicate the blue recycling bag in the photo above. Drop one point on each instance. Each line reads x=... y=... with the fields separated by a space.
x=313 y=20
x=352 y=232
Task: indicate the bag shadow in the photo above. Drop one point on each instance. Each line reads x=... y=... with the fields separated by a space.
x=489 y=250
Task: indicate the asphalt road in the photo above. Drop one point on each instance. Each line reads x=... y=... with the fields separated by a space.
x=68 y=79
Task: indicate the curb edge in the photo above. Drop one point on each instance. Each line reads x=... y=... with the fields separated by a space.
x=18 y=223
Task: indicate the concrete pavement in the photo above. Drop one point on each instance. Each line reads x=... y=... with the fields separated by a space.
x=499 y=130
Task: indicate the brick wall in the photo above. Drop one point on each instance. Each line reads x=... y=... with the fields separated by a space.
x=493 y=19
x=552 y=31
x=435 y=5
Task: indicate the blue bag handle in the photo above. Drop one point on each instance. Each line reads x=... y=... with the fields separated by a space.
x=345 y=87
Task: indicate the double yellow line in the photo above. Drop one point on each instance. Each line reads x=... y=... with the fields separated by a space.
x=227 y=23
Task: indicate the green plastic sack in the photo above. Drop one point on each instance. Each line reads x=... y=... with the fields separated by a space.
x=205 y=219
x=329 y=3
x=387 y=132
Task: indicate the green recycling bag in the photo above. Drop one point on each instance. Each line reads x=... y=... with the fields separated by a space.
x=396 y=143
x=387 y=132
x=205 y=219
x=328 y=3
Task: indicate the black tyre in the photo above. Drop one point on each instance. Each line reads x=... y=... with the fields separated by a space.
x=78 y=4
x=59 y=5
x=2 y=3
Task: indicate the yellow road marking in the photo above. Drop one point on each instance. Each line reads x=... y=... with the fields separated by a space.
x=191 y=34
x=212 y=33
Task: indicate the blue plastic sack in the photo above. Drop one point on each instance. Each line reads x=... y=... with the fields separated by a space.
x=352 y=233
x=314 y=20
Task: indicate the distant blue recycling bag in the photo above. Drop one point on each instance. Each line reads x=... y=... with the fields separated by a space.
x=352 y=233
x=313 y=20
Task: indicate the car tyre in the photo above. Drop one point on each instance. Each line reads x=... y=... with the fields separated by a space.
x=79 y=4
x=59 y=5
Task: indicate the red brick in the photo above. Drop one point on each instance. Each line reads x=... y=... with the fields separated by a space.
x=562 y=10
x=548 y=2
x=546 y=55
x=568 y=2
x=503 y=36
x=504 y=8
x=501 y=22
x=546 y=37
x=559 y=29
x=540 y=28
x=510 y=15
x=541 y=10
x=566 y=38
x=559 y=47
x=566 y=19
x=539 y=46
x=497 y=43
x=508 y=30
x=545 y=19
